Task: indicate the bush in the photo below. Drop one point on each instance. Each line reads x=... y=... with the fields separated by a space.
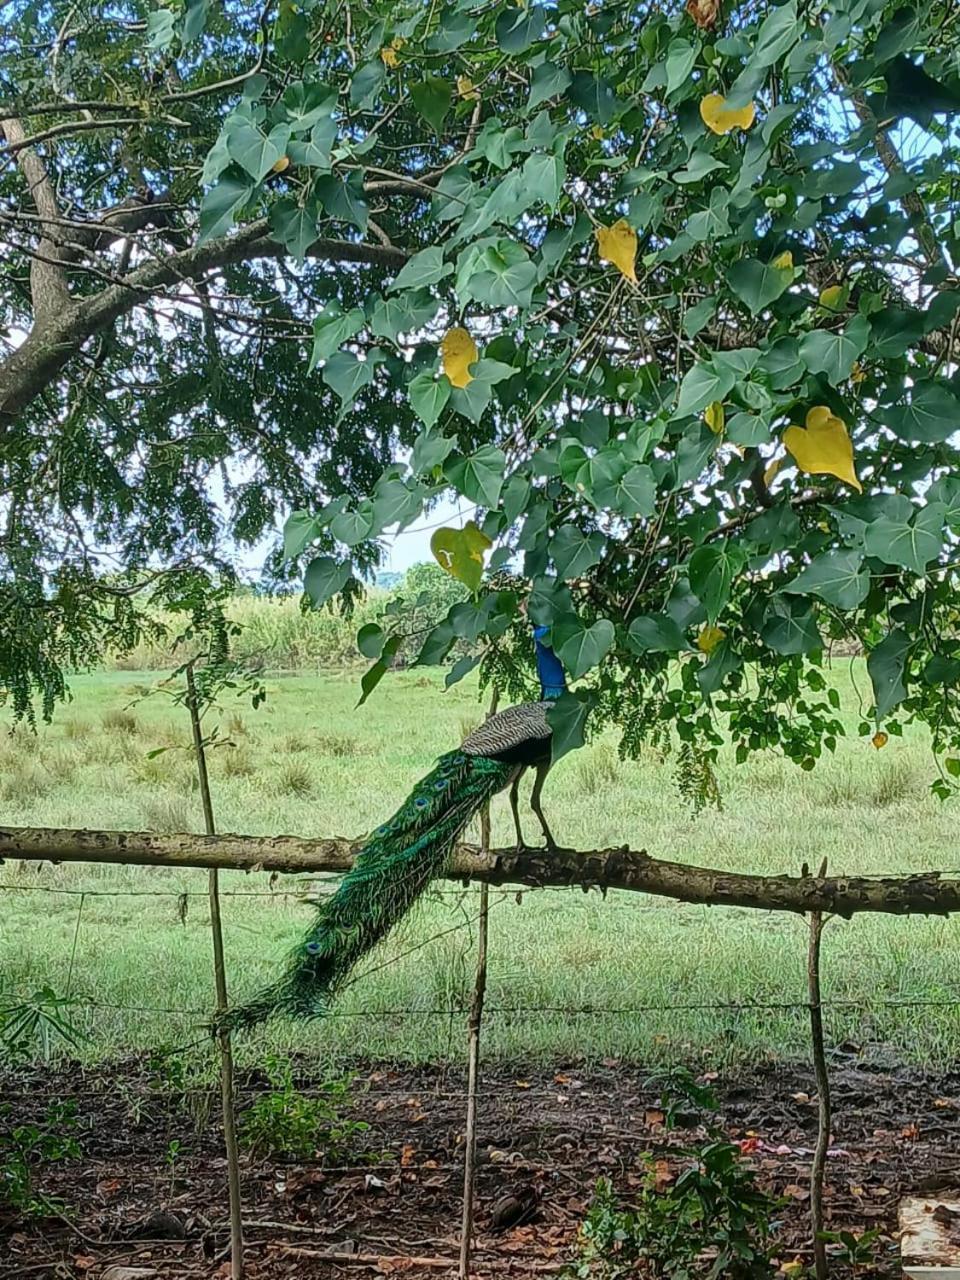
x=286 y=1122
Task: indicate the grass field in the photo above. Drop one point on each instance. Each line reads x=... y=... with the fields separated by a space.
x=309 y=764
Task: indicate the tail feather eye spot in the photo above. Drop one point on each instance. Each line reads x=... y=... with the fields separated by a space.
x=441 y=785
x=381 y=831
x=421 y=802
x=313 y=948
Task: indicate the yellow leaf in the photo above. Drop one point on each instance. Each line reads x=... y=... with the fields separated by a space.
x=458 y=351
x=856 y=373
x=770 y=473
x=398 y=42
x=879 y=740
x=459 y=552
x=833 y=297
x=714 y=417
x=783 y=261
x=389 y=57
x=719 y=118
x=709 y=638
x=282 y=163
x=618 y=244
x=597 y=133
x=466 y=88
x=823 y=447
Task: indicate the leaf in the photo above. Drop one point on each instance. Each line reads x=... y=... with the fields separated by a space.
x=834 y=297
x=567 y=718
x=517 y=29
x=759 y=283
x=824 y=447
x=545 y=175
x=458 y=352
x=424 y=268
x=324 y=578
x=375 y=674
x=712 y=570
x=437 y=645
x=931 y=416
x=656 y=633
x=432 y=98
x=306 y=104
x=405 y=313
x=505 y=277
x=429 y=449
x=366 y=84
x=343 y=201
x=681 y=59
x=581 y=648
x=911 y=543
x=219 y=205
x=299 y=530
x=548 y=81
x=886 y=665
x=835 y=576
x=714 y=417
x=315 y=151
x=704 y=384
x=709 y=638
x=294 y=225
x=331 y=329
x=253 y=149
x=721 y=119
x=161 y=29
x=345 y=374
x=395 y=502
x=480 y=476
x=428 y=396
x=789 y=627
x=618 y=244
x=459 y=552
x=835 y=353
x=593 y=96
x=352 y=527
x=779 y=32
x=370 y=640
x=574 y=551
x=456 y=29
x=636 y=493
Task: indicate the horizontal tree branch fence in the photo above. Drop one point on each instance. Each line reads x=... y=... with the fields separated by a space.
x=817 y=896
x=926 y=893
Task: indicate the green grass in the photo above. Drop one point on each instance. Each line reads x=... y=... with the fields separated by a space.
x=307 y=763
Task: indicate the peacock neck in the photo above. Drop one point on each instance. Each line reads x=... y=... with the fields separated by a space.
x=553 y=683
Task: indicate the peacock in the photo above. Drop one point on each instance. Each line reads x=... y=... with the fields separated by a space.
x=403 y=855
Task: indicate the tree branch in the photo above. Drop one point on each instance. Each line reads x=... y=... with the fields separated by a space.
x=48 y=281
x=924 y=894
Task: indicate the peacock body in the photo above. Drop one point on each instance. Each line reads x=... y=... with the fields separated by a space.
x=399 y=860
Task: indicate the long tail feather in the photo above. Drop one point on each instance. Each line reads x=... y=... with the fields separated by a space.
x=390 y=873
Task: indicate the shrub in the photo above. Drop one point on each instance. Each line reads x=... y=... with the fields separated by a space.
x=117 y=720
x=287 y=1122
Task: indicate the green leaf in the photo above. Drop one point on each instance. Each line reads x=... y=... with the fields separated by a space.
x=505 y=277
x=379 y=669
x=424 y=268
x=253 y=149
x=331 y=329
x=428 y=396
x=656 y=633
x=161 y=29
x=345 y=374
x=835 y=576
x=931 y=416
x=912 y=544
x=548 y=81
x=432 y=98
x=886 y=666
x=681 y=59
x=544 y=175
x=779 y=32
x=712 y=570
x=517 y=29
x=299 y=530
x=438 y=643
x=429 y=449
x=462 y=667
x=195 y=20
x=396 y=502
x=406 y=313
x=370 y=640
x=636 y=493
x=574 y=552
x=581 y=648
x=835 y=354
x=460 y=552
x=567 y=718
x=367 y=83
x=343 y=201
x=456 y=30
x=219 y=205
x=305 y=104
x=480 y=476
x=324 y=578
x=314 y=153
x=352 y=527
x=758 y=283
x=294 y=225
x=702 y=385
x=789 y=627
x=593 y=96
x=709 y=224
x=722 y=662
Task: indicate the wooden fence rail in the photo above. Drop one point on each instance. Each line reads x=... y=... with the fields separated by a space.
x=925 y=893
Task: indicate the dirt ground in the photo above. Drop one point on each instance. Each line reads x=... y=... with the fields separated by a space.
x=129 y=1205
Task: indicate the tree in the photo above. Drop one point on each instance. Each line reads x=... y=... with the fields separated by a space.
x=669 y=293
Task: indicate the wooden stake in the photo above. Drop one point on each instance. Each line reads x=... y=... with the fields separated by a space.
x=220 y=983
x=818 y=1168
x=473 y=1053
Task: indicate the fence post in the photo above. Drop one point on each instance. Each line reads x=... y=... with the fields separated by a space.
x=473 y=1052
x=220 y=984
x=818 y=1168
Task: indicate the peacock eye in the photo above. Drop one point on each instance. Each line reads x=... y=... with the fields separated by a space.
x=421 y=802
x=441 y=785
x=313 y=947
x=381 y=831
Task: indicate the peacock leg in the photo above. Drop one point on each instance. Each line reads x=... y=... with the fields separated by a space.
x=515 y=809
x=542 y=771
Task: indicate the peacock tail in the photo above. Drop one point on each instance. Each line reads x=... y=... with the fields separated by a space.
x=390 y=873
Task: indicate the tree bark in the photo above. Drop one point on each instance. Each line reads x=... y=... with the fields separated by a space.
x=926 y=893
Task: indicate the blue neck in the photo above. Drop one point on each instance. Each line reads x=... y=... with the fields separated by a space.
x=553 y=683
